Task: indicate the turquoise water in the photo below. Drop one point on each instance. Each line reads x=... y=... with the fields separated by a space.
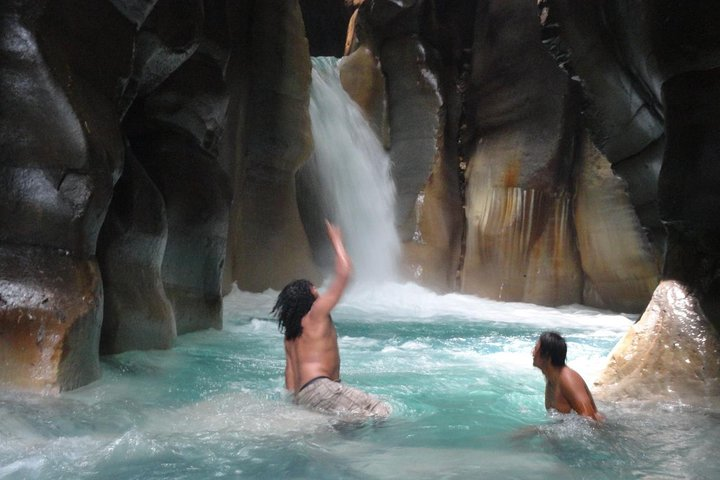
x=457 y=371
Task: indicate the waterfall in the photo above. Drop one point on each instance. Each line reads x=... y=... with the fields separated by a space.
x=351 y=171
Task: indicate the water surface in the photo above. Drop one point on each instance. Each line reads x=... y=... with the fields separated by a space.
x=457 y=371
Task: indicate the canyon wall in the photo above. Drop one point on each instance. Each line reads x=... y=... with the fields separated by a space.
x=551 y=152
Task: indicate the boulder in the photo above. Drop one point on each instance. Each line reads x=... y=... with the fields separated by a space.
x=672 y=354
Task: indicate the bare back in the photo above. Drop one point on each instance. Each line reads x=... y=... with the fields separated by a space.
x=315 y=352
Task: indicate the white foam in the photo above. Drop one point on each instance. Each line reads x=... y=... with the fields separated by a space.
x=248 y=413
x=402 y=302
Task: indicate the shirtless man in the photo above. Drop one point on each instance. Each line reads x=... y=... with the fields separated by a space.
x=565 y=390
x=312 y=358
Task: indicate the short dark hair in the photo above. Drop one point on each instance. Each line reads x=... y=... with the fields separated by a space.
x=553 y=345
x=292 y=305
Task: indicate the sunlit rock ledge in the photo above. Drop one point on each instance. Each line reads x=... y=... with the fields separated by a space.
x=672 y=354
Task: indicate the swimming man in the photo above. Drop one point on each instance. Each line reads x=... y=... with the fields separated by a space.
x=565 y=390
x=312 y=358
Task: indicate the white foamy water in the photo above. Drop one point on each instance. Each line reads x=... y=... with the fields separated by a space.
x=391 y=301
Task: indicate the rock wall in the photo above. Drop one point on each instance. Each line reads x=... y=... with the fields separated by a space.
x=489 y=177
x=523 y=117
x=113 y=206
x=268 y=246
x=552 y=152
x=174 y=130
x=61 y=151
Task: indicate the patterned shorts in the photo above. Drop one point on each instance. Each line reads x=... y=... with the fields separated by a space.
x=328 y=396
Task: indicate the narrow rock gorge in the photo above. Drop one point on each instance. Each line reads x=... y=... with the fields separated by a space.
x=550 y=152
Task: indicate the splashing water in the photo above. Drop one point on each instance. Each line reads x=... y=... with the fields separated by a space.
x=456 y=369
x=352 y=171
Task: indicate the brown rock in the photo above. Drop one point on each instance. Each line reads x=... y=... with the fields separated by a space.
x=363 y=80
x=50 y=314
x=617 y=259
x=519 y=241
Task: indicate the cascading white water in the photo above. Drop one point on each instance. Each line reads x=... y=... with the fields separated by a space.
x=352 y=170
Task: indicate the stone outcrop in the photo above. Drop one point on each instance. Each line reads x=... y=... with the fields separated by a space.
x=671 y=354
x=516 y=111
x=514 y=130
x=362 y=78
x=108 y=99
x=173 y=131
x=658 y=101
x=689 y=199
x=647 y=85
x=51 y=307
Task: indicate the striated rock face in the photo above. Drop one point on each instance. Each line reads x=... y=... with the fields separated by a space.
x=433 y=254
x=514 y=121
x=519 y=231
x=175 y=143
x=688 y=188
x=648 y=70
x=653 y=103
x=609 y=234
x=671 y=354
x=85 y=85
x=624 y=118
x=415 y=122
x=362 y=79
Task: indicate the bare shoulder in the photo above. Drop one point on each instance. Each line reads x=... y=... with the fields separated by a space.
x=571 y=378
x=317 y=321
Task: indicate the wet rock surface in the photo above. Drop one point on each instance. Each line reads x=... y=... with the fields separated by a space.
x=149 y=152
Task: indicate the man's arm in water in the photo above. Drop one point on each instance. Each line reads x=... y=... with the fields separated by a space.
x=575 y=390
x=343 y=267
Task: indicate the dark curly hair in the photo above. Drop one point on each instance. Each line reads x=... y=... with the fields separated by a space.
x=292 y=305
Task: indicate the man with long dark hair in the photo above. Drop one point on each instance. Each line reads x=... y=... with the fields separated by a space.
x=312 y=358
x=565 y=390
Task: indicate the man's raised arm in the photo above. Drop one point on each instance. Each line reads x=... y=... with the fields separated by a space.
x=343 y=268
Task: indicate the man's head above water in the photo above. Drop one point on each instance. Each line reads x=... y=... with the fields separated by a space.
x=553 y=346
x=293 y=303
